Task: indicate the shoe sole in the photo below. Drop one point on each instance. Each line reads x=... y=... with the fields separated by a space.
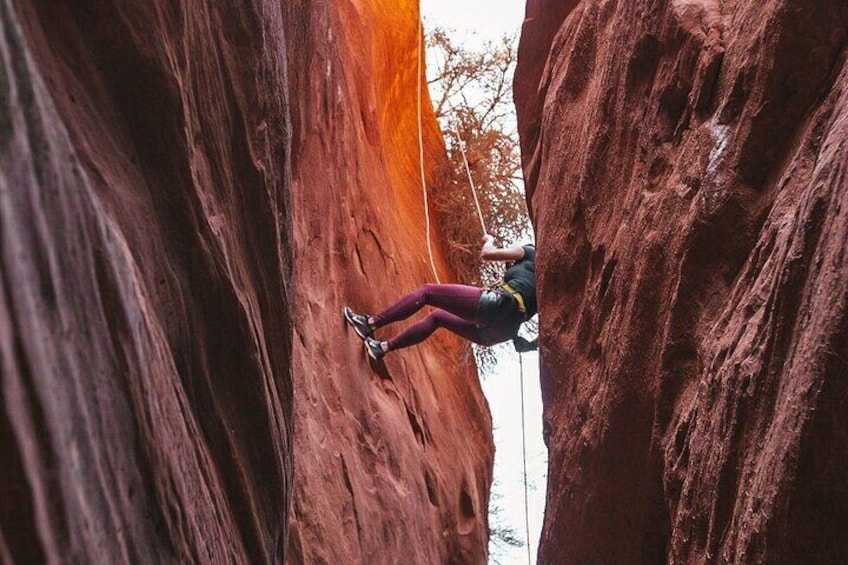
x=347 y=312
x=371 y=354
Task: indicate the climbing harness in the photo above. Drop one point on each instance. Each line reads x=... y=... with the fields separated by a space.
x=500 y=304
x=515 y=294
x=524 y=457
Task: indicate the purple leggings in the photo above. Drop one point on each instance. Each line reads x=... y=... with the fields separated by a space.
x=458 y=309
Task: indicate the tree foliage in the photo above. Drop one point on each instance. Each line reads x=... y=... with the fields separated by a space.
x=502 y=536
x=472 y=97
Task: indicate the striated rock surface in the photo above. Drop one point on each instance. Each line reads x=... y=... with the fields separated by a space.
x=145 y=258
x=688 y=173
x=393 y=461
x=160 y=241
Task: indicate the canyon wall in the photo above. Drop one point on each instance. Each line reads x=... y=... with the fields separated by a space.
x=191 y=192
x=688 y=175
x=393 y=459
x=145 y=270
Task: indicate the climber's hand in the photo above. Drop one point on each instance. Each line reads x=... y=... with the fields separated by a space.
x=523 y=346
x=488 y=239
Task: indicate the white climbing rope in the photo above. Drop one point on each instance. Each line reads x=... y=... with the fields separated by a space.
x=524 y=454
x=433 y=264
x=470 y=180
x=420 y=52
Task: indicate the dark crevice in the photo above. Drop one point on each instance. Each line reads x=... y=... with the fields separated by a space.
x=432 y=487
x=466 y=504
x=354 y=509
x=417 y=431
x=606 y=276
x=732 y=107
x=17 y=512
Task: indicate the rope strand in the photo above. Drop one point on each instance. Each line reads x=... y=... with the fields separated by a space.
x=421 y=148
x=524 y=453
x=470 y=179
x=436 y=274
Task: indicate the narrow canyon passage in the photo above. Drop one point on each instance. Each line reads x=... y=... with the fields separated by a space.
x=191 y=191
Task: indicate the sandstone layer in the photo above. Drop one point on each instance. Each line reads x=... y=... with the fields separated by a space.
x=687 y=168
x=145 y=303
x=393 y=460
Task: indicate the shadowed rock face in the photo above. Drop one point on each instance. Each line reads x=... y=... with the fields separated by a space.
x=152 y=216
x=393 y=461
x=144 y=283
x=688 y=175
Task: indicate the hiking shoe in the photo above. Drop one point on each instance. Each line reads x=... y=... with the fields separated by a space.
x=374 y=348
x=359 y=322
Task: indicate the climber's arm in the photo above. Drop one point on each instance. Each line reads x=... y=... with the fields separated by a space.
x=491 y=253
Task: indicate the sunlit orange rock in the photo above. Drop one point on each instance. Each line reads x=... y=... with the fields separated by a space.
x=392 y=462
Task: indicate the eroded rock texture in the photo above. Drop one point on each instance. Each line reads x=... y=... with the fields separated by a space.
x=393 y=462
x=688 y=173
x=144 y=285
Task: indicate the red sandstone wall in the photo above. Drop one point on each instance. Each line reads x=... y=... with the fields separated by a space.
x=152 y=216
x=688 y=173
x=145 y=259
x=393 y=462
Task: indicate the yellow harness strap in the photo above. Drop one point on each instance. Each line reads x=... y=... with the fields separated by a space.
x=517 y=296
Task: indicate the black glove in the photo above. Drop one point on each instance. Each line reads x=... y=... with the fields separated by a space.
x=522 y=345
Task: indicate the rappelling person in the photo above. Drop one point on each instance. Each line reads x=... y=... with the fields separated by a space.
x=485 y=316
